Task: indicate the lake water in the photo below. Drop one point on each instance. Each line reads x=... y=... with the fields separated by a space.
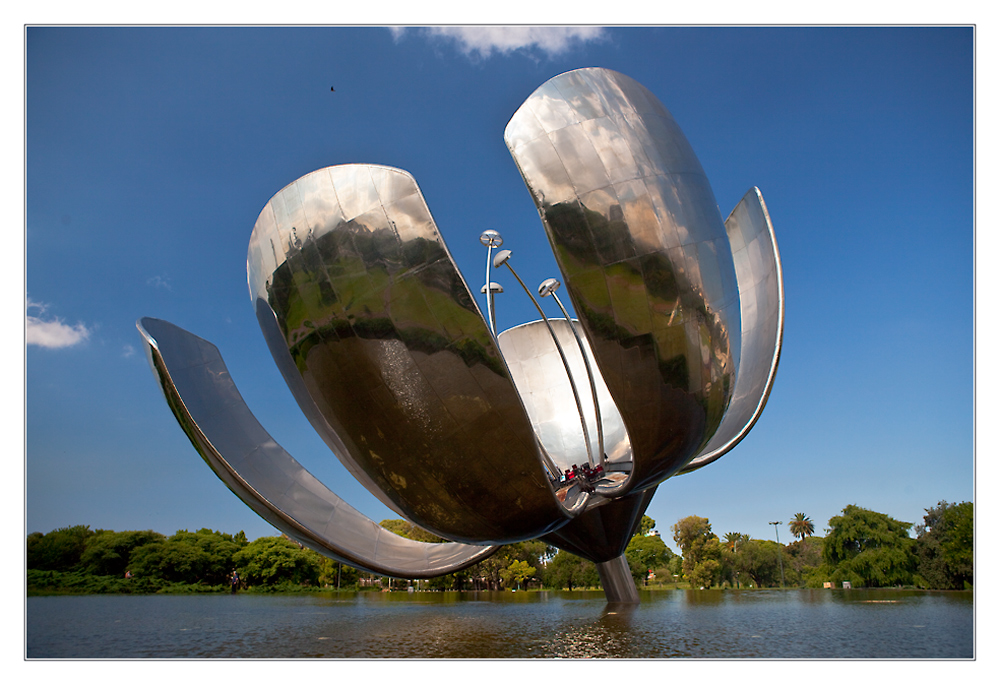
x=772 y=624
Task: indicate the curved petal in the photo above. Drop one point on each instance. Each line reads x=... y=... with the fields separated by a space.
x=548 y=398
x=215 y=418
x=637 y=234
x=762 y=306
x=383 y=346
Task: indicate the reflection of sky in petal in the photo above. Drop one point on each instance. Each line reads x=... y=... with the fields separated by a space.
x=319 y=203
x=579 y=157
x=612 y=149
x=550 y=109
x=355 y=190
x=629 y=162
x=411 y=218
x=539 y=160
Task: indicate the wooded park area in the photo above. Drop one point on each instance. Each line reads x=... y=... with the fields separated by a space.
x=862 y=547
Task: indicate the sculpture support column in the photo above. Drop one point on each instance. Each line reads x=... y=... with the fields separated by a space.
x=616 y=579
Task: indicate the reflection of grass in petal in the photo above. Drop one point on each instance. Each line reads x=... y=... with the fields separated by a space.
x=628 y=296
x=624 y=286
x=586 y=282
x=424 y=318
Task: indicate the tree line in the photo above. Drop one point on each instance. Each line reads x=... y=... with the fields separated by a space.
x=77 y=559
x=862 y=547
x=865 y=548
x=80 y=560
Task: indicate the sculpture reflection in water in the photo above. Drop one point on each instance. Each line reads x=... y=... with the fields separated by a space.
x=558 y=429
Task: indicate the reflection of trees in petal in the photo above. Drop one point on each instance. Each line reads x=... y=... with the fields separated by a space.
x=383 y=346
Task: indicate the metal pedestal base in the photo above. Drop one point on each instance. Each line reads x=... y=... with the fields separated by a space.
x=616 y=578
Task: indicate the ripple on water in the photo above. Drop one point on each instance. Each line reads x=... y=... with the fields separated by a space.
x=814 y=624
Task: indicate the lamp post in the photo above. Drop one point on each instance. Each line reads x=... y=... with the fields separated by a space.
x=780 y=564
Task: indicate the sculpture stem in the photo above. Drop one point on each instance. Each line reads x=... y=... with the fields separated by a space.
x=616 y=579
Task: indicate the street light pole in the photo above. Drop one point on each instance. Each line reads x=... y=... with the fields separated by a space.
x=780 y=564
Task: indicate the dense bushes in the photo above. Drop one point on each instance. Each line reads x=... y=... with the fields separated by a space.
x=267 y=561
x=60 y=550
x=79 y=560
x=863 y=547
x=944 y=546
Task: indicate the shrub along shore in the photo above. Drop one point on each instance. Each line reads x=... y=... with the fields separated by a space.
x=862 y=547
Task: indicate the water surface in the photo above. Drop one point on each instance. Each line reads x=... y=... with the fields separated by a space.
x=772 y=624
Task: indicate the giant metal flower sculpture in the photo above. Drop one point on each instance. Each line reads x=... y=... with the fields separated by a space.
x=557 y=429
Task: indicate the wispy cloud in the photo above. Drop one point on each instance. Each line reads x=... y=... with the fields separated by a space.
x=128 y=351
x=159 y=282
x=485 y=41
x=50 y=332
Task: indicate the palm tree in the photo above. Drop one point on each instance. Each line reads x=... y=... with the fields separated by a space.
x=801 y=526
x=731 y=541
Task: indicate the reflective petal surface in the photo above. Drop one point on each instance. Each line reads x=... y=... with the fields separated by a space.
x=215 y=418
x=762 y=301
x=383 y=346
x=644 y=254
x=475 y=437
x=545 y=389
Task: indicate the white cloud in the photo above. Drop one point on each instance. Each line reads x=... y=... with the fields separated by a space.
x=128 y=351
x=52 y=333
x=484 y=41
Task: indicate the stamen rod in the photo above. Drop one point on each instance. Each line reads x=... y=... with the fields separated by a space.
x=590 y=377
x=503 y=258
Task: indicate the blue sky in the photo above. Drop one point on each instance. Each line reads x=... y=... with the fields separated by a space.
x=151 y=151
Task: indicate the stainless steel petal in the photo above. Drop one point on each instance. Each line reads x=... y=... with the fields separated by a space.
x=541 y=379
x=206 y=403
x=762 y=301
x=383 y=346
x=643 y=251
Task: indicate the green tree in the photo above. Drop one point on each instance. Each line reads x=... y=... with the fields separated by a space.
x=803 y=558
x=566 y=570
x=729 y=568
x=107 y=553
x=944 y=546
x=869 y=549
x=203 y=557
x=704 y=573
x=646 y=525
x=57 y=550
x=675 y=567
x=645 y=553
x=700 y=548
x=517 y=572
x=272 y=560
x=337 y=575
x=489 y=573
x=733 y=540
x=801 y=526
x=758 y=560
